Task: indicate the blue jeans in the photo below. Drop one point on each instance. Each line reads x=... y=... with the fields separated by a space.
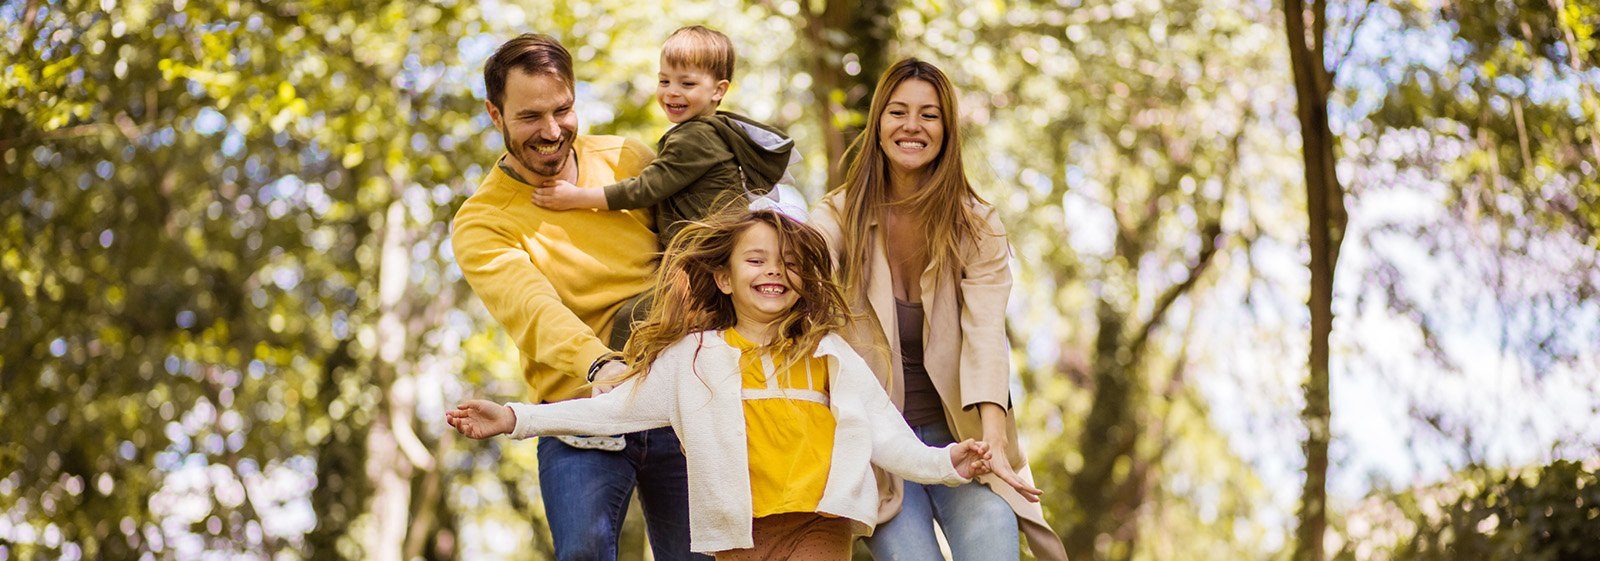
x=586 y=496
x=977 y=523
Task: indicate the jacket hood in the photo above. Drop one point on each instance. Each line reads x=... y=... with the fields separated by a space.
x=763 y=152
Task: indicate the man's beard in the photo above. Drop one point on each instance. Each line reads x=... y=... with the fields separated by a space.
x=524 y=155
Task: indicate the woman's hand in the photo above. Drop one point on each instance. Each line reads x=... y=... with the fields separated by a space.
x=970 y=458
x=481 y=418
x=1000 y=466
x=994 y=433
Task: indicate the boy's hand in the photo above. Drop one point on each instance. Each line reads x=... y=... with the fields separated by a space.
x=561 y=194
x=481 y=418
x=970 y=458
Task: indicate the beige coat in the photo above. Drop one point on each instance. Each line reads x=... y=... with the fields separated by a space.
x=966 y=352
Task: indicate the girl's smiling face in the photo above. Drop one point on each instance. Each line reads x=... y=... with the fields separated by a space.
x=759 y=281
x=911 y=129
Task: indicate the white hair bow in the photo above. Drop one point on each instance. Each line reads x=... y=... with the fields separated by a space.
x=784 y=198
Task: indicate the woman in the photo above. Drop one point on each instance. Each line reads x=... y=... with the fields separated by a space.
x=920 y=250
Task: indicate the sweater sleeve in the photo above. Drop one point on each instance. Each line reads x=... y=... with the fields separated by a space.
x=985 y=286
x=894 y=447
x=519 y=295
x=638 y=404
x=686 y=154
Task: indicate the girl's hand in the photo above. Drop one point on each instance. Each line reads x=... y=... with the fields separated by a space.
x=1001 y=467
x=970 y=458
x=563 y=195
x=481 y=418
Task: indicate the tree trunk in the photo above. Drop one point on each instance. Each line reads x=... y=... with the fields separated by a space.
x=387 y=466
x=1108 y=432
x=845 y=36
x=1326 y=213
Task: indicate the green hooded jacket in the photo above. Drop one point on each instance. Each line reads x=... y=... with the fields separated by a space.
x=703 y=165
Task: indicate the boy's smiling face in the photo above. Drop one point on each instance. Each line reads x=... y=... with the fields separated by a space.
x=685 y=93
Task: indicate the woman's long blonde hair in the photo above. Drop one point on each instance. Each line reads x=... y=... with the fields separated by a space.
x=942 y=205
x=687 y=300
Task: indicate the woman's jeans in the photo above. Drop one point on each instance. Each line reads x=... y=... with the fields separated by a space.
x=977 y=523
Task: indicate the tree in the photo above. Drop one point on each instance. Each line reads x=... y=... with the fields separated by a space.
x=222 y=206
x=1116 y=141
x=848 y=48
x=1326 y=216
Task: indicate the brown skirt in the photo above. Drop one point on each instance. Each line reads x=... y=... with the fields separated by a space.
x=796 y=536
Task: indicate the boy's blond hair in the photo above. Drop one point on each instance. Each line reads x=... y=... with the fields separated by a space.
x=700 y=48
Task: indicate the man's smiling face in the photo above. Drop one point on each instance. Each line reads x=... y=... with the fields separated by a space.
x=538 y=123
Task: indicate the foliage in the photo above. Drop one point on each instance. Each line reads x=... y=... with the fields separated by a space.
x=197 y=236
x=1547 y=513
x=229 y=317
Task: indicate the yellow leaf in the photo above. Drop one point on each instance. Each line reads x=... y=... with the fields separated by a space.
x=353 y=155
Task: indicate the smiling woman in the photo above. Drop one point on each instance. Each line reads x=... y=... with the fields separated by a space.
x=924 y=263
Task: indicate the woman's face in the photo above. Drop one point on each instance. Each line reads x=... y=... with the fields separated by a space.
x=911 y=129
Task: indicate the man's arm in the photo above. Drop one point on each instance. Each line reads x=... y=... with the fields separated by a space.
x=520 y=296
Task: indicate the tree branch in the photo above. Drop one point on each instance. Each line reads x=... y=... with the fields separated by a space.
x=1350 y=44
x=1210 y=240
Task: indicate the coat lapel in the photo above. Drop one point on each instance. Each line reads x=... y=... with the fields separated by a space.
x=880 y=294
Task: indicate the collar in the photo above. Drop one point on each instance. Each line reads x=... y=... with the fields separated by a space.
x=512 y=173
x=831 y=345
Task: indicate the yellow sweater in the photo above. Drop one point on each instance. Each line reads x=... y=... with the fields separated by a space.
x=555 y=279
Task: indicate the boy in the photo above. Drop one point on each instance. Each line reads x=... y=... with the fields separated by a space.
x=708 y=160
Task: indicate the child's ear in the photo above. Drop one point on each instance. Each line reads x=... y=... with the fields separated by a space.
x=722 y=90
x=724 y=283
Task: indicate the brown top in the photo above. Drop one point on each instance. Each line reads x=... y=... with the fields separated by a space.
x=922 y=399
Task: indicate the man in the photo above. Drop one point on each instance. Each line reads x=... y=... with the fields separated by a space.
x=555 y=281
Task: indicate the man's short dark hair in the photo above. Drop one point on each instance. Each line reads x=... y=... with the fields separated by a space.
x=534 y=53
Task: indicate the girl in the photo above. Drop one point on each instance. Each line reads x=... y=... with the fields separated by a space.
x=918 y=248
x=780 y=420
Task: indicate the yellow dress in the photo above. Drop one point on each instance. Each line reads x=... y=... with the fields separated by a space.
x=788 y=429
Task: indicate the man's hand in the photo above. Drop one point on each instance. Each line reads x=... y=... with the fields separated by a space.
x=607 y=378
x=481 y=418
x=970 y=458
x=560 y=194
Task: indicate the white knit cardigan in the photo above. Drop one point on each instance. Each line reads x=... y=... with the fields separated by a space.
x=694 y=386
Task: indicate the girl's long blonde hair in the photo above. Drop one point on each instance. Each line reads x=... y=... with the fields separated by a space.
x=942 y=205
x=687 y=300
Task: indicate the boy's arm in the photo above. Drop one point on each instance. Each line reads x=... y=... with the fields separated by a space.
x=686 y=154
x=520 y=296
x=563 y=195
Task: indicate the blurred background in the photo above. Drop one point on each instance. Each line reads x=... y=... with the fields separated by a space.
x=230 y=320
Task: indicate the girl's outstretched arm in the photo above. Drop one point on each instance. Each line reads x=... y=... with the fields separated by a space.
x=638 y=404
x=634 y=406
x=481 y=418
x=894 y=447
